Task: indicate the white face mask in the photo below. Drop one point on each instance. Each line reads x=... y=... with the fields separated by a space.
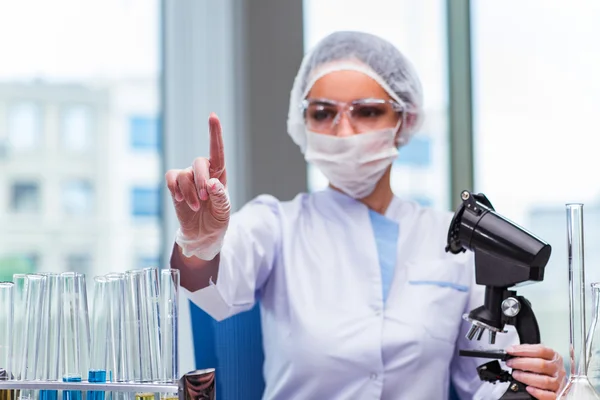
x=354 y=164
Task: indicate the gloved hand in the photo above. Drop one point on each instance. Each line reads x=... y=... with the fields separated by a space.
x=201 y=200
x=540 y=368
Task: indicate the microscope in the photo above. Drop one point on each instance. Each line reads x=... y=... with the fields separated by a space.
x=506 y=255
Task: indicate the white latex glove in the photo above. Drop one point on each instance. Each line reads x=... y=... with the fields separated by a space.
x=201 y=200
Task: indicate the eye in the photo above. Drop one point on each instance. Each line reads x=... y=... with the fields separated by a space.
x=369 y=111
x=321 y=113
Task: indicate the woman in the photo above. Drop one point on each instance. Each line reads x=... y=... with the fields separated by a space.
x=358 y=297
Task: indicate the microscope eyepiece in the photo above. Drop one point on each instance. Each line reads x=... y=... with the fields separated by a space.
x=477 y=227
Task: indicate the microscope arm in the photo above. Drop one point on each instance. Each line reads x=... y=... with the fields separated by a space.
x=526 y=323
x=527 y=330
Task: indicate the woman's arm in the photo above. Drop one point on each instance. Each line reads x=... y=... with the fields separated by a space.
x=240 y=250
x=195 y=273
x=227 y=284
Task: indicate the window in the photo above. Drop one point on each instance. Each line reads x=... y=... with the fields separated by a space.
x=76 y=128
x=25 y=197
x=24 y=126
x=144 y=133
x=418 y=29
x=68 y=86
x=145 y=202
x=418 y=154
x=536 y=89
x=78 y=197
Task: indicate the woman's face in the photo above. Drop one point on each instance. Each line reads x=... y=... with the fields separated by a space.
x=345 y=103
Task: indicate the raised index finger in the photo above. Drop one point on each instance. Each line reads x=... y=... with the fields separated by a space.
x=217 y=153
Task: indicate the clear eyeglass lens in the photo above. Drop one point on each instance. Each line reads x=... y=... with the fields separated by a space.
x=322 y=116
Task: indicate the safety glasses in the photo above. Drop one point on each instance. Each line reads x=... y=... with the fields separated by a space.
x=322 y=115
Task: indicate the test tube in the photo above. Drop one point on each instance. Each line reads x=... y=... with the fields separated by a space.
x=99 y=348
x=117 y=368
x=134 y=310
x=36 y=286
x=152 y=291
x=84 y=322
x=138 y=333
x=575 y=253
x=6 y=335
x=169 y=328
x=50 y=340
x=19 y=295
x=71 y=331
x=33 y=325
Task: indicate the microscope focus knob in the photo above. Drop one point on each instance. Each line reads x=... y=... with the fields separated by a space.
x=511 y=307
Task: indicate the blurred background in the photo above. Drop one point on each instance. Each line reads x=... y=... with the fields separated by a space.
x=98 y=98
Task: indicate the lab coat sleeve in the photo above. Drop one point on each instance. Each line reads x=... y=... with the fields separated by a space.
x=464 y=369
x=246 y=260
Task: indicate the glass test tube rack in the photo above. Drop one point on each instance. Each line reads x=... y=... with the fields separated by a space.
x=199 y=384
x=126 y=342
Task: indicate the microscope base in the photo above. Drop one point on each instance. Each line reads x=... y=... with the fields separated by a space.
x=493 y=372
x=516 y=391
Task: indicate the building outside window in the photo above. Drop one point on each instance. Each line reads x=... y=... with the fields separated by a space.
x=25 y=197
x=79 y=262
x=77 y=128
x=144 y=133
x=65 y=113
x=24 y=126
x=145 y=202
x=78 y=197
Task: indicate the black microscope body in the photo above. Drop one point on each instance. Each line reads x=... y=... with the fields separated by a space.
x=506 y=255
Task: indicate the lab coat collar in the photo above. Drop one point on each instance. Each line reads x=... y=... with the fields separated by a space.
x=395 y=211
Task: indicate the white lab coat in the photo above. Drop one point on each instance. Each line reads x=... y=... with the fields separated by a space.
x=327 y=334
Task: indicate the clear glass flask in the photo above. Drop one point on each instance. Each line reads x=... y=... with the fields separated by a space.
x=578 y=386
x=593 y=340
